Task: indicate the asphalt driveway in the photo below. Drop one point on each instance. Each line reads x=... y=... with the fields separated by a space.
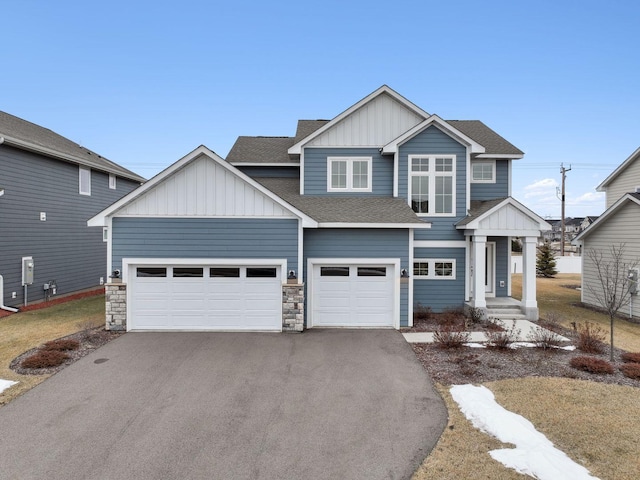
x=334 y=404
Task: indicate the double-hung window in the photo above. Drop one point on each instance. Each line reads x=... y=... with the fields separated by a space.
x=483 y=171
x=349 y=174
x=434 y=269
x=432 y=184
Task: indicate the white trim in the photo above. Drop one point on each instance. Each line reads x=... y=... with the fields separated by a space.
x=298 y=147
x=373 y=225
x=501 y=156
x=99 y=219
x=410 y=286
x=264 y=164
x=467 y=270
x=302 y=173
x=112 y=182
x=491 y=269
x=349 y=174
x=467 y=181
x=245 y=217
x=440 y=244
x=300 y=252
x=431 y=261
x=509 y=174
x=488 y=232
x=440 y=124
x=355 y=262
x=87 y=190
x=633 y=157
x=109 y=223
x=432 y=174
x=509 y=263
x=602 y=218
x=395 y=174
x=491 y=163
x=473 y=225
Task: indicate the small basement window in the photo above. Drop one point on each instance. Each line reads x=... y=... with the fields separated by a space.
x=187 y=272
x=261 y=272
x=148 y=272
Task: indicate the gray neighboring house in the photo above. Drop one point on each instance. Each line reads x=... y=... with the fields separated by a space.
x=49 y=187
x=619 y=224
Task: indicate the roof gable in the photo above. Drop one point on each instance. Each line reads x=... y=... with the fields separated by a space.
x=201 y=184
x=610 y=212
x=502 y=216
x=621 y=168
x=373 y=121
x=19 y=133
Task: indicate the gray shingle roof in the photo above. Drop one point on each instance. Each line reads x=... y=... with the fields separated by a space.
x=490 y=140
x=479 y=208
x=261 y=150
x=50 y=143
x=307 y=127
x=331 y=209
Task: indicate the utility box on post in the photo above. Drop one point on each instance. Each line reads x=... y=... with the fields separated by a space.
x=27 y=270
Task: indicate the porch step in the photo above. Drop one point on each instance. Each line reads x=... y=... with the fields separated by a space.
x=505 y=312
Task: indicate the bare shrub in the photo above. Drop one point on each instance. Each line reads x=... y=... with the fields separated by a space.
x=62 y=345
x=631 y=370
x=422 y=312
x=475 y=314
x=591 y=365
x=630 y=357
x=553 y=319
x=502 y=339
x=453 y=316
x=590 y=337
x=544 y=338
x=44 y=359
x=450 y=336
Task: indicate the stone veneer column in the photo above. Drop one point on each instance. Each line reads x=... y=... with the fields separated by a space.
x=292 y=307
x=116 y=306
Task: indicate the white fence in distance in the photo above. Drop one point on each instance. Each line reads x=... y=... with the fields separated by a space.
x=563 y=264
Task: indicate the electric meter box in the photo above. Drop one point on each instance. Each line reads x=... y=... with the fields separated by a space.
x=27 y=270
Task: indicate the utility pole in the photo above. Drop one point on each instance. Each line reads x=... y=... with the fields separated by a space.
x=563 y=171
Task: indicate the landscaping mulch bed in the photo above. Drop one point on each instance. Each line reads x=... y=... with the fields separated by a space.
x=455 y=366
x=56 y=301
x=89 y=340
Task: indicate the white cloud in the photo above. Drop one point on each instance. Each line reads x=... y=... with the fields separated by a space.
x=541 y=188
x=589 y=197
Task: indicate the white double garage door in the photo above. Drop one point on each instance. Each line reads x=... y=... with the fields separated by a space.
x=233 y=297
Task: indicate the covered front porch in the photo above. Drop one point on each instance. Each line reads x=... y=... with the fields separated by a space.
x=488 y=229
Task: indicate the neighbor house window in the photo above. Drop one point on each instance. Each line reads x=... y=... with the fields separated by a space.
x=349 y=174
x=432 y=184
x=85 y=181
x=112 y=181
x=434 y=269
x=483 y=172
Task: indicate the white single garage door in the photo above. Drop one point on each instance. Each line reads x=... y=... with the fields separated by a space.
x=208 y=297
x=353 y=296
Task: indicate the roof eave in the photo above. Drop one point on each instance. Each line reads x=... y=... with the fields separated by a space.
x=603 y=218
x=603 y=186
x=421 y=225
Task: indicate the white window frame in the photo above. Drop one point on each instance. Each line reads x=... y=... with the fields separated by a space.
x=112 y=181
x=491 y=163
x=432 y=174
x=84 y=186
x=432 y=268
x=350 y=160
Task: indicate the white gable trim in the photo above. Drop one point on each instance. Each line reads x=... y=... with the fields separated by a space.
x=297 y=148
x=264 y=164
x=100 y=218
x=478 y=227
x=602 y=219
x=436 y=121
x=632 y=158
x=502 y=156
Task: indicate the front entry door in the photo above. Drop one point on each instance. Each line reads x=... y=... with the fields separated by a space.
x=490 y=270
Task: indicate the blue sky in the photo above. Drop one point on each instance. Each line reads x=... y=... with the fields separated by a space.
x=145 y=82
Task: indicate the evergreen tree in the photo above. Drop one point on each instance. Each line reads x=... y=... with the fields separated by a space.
x=546 y=263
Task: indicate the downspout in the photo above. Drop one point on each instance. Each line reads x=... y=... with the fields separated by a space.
x=2 y=305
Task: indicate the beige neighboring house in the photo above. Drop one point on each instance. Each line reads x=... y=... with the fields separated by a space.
x=619 y=224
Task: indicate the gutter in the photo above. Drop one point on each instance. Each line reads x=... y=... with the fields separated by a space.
x=2 y=305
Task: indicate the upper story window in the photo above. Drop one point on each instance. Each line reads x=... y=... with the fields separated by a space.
x=483 y=172
x=432 y=184
x=349 y=174
x=112 y=181
x=84 y=182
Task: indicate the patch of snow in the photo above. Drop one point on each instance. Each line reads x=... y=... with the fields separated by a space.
x=4 y=384
x=474 y=345
x=534 y=454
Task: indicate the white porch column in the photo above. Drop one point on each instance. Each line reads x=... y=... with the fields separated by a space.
x=529 y=301
x=479 y=246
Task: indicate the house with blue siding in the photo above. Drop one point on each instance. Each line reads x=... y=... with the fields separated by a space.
x=350 y=223
x=49 y=188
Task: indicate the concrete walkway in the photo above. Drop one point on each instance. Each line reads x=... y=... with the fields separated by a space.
x=525 y=327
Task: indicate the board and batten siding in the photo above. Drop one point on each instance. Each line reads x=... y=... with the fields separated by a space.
x=315 y=170
x=63 y=247
x=440 y=294
x=376 y=123
x=433 y=141
x=362 y=243
x=626 y=182
x=621 y=228
x=210 y=238
x=204 y=188
x=499 y=189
